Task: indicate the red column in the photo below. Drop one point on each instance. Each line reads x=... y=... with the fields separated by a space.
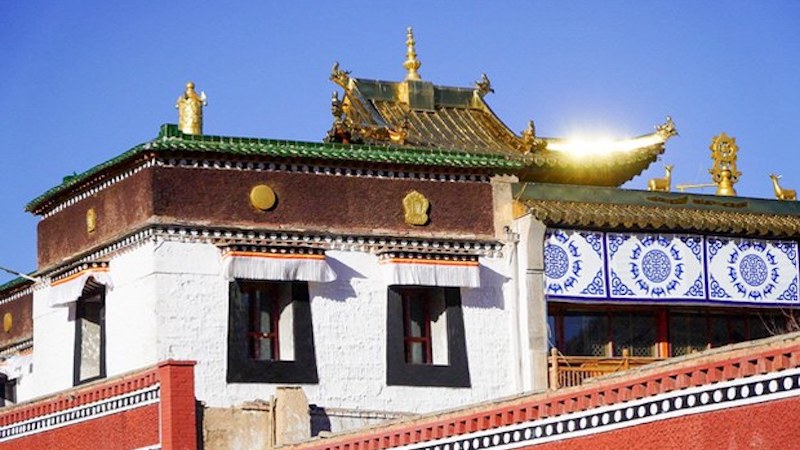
x=178 y=418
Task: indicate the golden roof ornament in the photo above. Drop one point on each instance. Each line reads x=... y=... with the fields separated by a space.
x=529 y=140
x=724 y=173
x=190 y=110
x=780 y=192
x=411 y=64
x=662 y=184
x=667 y=129
x=483 y=86
x=340 y=77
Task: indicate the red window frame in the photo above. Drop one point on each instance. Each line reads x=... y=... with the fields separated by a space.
x=422 y=297
x=254 y=335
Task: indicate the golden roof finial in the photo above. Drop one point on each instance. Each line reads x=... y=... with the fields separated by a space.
x=190 y=110
x=412 y=64
x=724 y=173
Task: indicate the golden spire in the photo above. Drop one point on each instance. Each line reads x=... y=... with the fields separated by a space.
x=724 y=173
x=412 y=64
x=190 y=110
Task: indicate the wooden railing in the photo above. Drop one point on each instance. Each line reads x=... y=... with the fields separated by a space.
x=568 y=371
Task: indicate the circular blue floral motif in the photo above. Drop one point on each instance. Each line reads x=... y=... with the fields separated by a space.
x=556 y=262
x=753 y=270
x=656 y=266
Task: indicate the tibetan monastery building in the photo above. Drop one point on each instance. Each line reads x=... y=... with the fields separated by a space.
x=422 y=257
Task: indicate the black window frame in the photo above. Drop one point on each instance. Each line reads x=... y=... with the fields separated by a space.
x=399 y=372
x=242 y=368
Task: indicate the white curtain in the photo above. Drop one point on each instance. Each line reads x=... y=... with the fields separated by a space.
x=67 y=290
x=431 y=272
x=279 y=267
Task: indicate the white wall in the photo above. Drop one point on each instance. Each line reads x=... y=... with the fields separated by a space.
x=171 y=301
x=349 y=317
x=53 y=346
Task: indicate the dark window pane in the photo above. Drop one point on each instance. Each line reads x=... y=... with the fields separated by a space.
x=687 y=333
x=718 y=328
x=761 y=326
x=586 y=334
x=416 y=317
x=261 y=301
x=416 y=353
x=737 y=329
x=551 y=332
x=635 y=332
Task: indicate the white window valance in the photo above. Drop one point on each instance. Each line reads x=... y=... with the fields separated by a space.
x=430 y=270
x=276 y=265
x=68 y=289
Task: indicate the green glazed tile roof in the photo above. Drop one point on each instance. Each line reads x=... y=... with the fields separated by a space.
x=171 y=139
x=15 y=283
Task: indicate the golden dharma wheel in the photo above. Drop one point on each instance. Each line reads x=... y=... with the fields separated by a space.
x=262 y=197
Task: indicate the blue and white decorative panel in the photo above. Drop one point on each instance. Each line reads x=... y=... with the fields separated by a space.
x=753 y=271
x=655 y=266
x=574 y=263
x=676 y=268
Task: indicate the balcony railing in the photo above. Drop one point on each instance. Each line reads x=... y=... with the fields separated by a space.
x=568 y=371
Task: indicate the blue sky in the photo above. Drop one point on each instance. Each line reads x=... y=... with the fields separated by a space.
x=81 y=82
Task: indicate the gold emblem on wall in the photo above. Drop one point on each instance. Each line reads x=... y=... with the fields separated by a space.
x=415 y=207
x=91 y=220
x=262 y=197
x=8 y=322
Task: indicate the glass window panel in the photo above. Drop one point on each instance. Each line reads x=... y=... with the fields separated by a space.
x=636 y=332
x=687 y=333
x=586 y=334
x=551 y=332
x=737 y=329
x=761 y=326
x=90 y=323
x=416 y=316
x=417 y=353
x=718 y=330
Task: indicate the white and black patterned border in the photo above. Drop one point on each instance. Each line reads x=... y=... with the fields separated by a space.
x=693 y=400
x=82 y=413
x=228 y=237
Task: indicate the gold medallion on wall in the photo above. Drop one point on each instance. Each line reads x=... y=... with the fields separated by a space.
x=415 y=208
x=8 y=322
x=91 y=220
x=262 y=197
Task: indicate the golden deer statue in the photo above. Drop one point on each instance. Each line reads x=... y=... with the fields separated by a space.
x=781 y=193
x=661 y=184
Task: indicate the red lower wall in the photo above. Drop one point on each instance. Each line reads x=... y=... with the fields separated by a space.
x=153 y=407
x=131 y=429
x=772 y=425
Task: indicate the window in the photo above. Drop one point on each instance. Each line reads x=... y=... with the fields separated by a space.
x=270 y=338
x=90 y=336
x=8 y=389
x=425 y=337
x=694 y=331
x=606 y=334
